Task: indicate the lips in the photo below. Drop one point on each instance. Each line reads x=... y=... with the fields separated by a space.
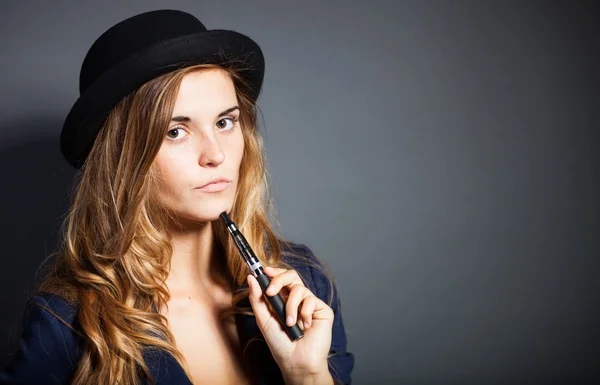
x=218 y=180
x=214 y=187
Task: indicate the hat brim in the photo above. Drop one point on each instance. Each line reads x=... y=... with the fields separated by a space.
x=215 y=46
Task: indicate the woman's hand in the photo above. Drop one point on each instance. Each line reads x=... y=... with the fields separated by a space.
x=305 y=358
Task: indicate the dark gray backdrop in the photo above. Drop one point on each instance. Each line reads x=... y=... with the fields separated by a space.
x=441 y=156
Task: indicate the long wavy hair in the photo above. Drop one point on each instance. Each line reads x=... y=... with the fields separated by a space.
x=114 y=252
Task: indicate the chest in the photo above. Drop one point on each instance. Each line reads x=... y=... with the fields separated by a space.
x=210 y=344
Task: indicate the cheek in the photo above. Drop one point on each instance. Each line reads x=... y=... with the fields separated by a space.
x=169 y=174
x=239 y=150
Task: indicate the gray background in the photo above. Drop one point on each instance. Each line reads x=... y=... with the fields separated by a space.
x=440 y=156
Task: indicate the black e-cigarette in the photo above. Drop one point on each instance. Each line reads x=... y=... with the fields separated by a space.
x=263 y=279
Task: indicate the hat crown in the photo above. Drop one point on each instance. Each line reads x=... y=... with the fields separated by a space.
x=134 y=35
x=139 y=49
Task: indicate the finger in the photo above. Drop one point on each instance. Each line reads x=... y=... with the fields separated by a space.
x=289 y=278
x=309 y=305
x=258 y=302
x=322 y=311
x=273 y=271
x=297 y=294
x=301 y=325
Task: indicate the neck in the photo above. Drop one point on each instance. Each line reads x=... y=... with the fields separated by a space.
x=197 y=263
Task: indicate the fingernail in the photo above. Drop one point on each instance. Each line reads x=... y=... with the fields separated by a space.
x=290 y=320
x=308 y=324
x=270 y=290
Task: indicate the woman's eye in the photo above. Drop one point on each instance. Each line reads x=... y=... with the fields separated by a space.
x=174 y=133
x=223 y=125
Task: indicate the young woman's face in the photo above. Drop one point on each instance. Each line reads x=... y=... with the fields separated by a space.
x=204 y=142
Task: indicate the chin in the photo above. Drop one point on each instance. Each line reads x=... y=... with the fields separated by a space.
x=210 y=212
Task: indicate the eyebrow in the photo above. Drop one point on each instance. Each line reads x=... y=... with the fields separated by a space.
x=188 y=119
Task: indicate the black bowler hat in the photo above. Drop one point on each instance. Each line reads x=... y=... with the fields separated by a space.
x=139 y=49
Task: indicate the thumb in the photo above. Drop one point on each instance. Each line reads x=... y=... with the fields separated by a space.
x=258 y=302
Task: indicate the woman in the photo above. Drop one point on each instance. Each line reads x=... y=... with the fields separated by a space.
x=147 y=286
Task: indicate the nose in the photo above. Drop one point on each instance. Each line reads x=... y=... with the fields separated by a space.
x=211 y=153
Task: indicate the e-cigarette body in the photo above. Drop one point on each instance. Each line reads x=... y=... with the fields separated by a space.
x=277 y=303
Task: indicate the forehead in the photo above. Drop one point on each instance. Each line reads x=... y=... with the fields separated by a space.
x=205 y=91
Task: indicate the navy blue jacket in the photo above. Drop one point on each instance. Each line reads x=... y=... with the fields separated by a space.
x=49 y=350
